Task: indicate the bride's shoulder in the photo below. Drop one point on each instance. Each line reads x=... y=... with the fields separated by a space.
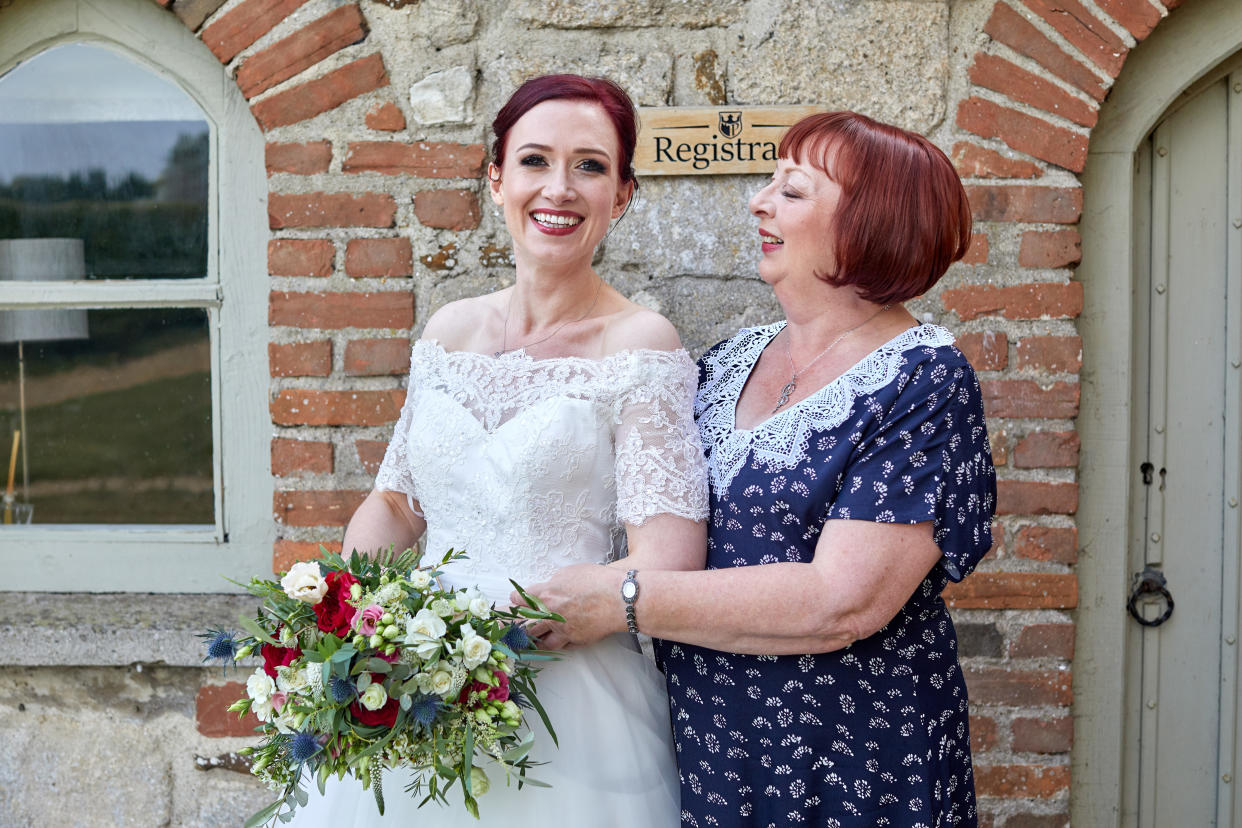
x=458 y=324
x=640 y=329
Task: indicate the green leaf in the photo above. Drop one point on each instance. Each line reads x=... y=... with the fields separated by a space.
x=378 y=665
x=263 y=816
x=301 y=795
x=519 y=751
x=529 y=693
x=251 y=626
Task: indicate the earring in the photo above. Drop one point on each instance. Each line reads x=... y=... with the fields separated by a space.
x=493 y=173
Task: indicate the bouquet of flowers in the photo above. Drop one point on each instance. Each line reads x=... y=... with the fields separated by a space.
x=369 y=663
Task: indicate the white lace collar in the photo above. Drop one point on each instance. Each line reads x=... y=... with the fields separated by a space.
x=781 y=439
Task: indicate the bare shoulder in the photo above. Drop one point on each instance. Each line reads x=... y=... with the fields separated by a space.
x=457 y=325
x=638 y=328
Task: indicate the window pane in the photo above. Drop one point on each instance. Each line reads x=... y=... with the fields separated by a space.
x=118 y=414
x=94 y=146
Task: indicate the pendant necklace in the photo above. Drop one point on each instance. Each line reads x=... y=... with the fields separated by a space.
x=792 y=385
x=504 y=344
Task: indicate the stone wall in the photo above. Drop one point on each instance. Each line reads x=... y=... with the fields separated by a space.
x=376 y=120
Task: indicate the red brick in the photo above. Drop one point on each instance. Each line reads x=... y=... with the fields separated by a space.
x=1026 y=398
x=1047 y=543
x=290 y=457
x=300 y=359
x=379 y=257
x=985 y=350
x=1035 y=497
x=448 y=209
x=1048 y=300
x=973 y=161
x=1058 y=354
x=332 y=311
x=1000 y=75
x=377 y=357
x=300 y=257
x=1023 y=132
x=304 y=406
x=1138 y=16
x=443 y=259
x=299 y=51
x=425 y=159
x=1054 y=248
x=977 y=253
x=1019 y=688
x=315 y=97
x=330 y=210
x=315 y=508
x=1084 y=31
x=1044 y=641
x=1013 y=590
x=1061 y=820
x=1025 y=202
x=301 y=159
x=370 y=454
x=1047 y=450
x=285 y=553
x=1022 y=781
x=983 y=734
x=193 y=12
x=386 y=117
x=1015 y=31
x=211 y=711
x=244 y=24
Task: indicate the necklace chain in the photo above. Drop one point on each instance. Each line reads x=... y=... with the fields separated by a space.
x=792 y=385
x=504 y=343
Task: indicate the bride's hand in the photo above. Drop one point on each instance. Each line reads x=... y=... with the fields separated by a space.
x=587 y=596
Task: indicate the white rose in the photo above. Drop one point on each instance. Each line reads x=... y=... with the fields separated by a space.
x=426 y=622
x=442 y=683
x=290 y=680
x=474 y=648
x=286 y=720
x=304 y=583
x=374 y=697
x=260 y=687
x=463 y=598
x=419 y=579
x=424 y=682
x=479 y=608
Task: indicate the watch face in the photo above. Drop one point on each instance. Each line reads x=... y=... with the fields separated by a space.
x=629 y=590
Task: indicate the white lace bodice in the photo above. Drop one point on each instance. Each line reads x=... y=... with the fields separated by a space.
x=781 y=439
x=530 y=465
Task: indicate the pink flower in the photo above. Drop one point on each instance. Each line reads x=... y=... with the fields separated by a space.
x=278 y=700
x=501 y=691
x=366 y=621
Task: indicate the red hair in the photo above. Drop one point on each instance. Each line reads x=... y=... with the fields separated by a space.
x=608 y=95
x=903 y=217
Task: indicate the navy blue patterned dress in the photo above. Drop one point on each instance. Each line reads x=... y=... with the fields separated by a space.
x=876 y=734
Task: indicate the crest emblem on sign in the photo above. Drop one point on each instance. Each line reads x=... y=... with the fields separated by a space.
x=730 y=123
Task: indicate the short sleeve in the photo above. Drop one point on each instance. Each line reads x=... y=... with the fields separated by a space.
x=929 y=460
x=396 y=472
x=659 y=461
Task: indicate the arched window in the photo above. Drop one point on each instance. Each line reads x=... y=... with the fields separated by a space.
x=132 y=306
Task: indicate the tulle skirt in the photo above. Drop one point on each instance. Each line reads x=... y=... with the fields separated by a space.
x=614 y=765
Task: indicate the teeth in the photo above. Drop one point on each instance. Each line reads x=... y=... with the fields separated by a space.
x=556 y=221
x=769 y=239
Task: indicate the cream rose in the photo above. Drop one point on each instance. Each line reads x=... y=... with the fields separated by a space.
x=479 y=608
x=442 y=683
x=304 y=582
x=419 y=579
x=474 y=648
x=374 y=697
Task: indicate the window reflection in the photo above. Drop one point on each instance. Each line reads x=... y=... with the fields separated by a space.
x=118 y=423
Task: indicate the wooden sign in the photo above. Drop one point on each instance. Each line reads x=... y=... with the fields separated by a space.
x=680 y=140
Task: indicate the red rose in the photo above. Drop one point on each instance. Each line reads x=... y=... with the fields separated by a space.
x=386 y=715
x=274 y=657
x=334 y=613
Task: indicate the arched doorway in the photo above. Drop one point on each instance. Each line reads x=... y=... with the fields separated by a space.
x=1155 y=707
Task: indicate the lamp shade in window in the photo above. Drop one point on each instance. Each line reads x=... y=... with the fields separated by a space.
x=42 y=260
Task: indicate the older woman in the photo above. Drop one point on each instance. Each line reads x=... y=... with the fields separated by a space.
x=813 y=671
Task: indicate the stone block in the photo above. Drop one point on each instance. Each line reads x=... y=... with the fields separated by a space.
x=444 y=97
x=446 y=22
x=645 y=73
x=602 y=14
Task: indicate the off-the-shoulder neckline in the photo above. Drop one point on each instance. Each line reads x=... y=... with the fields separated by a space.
x=520 y=355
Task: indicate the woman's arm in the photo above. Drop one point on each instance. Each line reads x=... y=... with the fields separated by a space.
x=384 y=518
x=862 y=574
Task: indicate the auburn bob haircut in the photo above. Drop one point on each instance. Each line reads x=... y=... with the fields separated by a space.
x=903 y=217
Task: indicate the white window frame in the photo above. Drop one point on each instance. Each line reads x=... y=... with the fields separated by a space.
x=155 y=558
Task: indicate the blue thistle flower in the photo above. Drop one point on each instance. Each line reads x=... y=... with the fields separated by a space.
x=425 y=708
x=342 y=689
x=303 y=746
x=516 y=638
x=221 y=646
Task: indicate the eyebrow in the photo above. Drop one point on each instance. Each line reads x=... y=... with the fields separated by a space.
x=577 y=150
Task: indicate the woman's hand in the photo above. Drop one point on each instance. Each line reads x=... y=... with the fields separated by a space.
x=587 y=596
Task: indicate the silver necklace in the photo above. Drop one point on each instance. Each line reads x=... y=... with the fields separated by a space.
x=504 y=343
x=792 y=385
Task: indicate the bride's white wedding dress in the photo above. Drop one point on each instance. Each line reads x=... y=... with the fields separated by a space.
x=531 y=465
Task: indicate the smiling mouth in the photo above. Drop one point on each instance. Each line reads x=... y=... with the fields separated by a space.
x=766 y=239
x=555 y=221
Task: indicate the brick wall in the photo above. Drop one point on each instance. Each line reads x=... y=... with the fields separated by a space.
x=365 y=216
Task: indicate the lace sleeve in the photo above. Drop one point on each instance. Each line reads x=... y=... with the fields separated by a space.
x=396 y=473
x=659 y=460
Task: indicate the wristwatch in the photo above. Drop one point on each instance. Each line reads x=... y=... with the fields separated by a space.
x=629 y=594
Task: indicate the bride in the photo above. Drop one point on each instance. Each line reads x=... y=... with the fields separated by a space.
x=540 y=422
